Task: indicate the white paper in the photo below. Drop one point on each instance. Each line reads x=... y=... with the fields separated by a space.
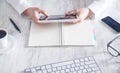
x=44 y=35
x=78 y=34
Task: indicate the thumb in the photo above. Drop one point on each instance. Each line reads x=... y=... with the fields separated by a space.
x=43 y=12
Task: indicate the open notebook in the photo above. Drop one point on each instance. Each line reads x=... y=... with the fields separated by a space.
x=57 y=34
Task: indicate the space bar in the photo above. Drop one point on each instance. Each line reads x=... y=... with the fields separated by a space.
x=62 y=63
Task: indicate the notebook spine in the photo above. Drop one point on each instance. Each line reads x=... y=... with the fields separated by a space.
x=60 y=34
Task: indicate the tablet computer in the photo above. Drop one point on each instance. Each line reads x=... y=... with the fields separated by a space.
x=57 y=18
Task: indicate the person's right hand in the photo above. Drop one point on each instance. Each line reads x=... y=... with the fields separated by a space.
x=81 y=13
x=31 y=12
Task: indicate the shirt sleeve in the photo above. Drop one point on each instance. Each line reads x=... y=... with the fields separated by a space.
x=20 y=5
x=99 y=6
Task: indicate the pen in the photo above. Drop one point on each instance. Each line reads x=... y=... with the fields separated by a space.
x=14 y=24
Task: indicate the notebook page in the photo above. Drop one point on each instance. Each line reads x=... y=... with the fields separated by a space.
x=44 y=35
x=78 y=34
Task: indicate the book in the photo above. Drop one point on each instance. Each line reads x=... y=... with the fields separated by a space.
x=61 y=34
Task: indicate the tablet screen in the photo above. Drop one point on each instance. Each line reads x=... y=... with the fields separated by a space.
x=58 y=17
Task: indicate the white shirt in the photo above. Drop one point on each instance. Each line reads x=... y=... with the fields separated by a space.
x=97 y=6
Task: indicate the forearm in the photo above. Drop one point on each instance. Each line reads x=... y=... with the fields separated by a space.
x=99 y=6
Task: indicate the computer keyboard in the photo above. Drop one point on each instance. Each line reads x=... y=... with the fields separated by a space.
x=79 y=65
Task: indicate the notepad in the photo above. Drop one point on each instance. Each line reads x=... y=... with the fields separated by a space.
x=58 y=34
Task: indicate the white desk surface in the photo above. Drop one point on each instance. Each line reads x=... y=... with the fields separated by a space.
x=23 y=57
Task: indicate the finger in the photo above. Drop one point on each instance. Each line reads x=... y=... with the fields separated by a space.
x=78 y=13
x=46 y=18
x=77 y=22
x=70 y=16
x=74 y=22
x=78 y=16
x=35 y=18
x=69 y=22
x=43 y=12
x=71 y=12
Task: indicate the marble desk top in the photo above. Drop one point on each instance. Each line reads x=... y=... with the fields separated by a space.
x=23 y=57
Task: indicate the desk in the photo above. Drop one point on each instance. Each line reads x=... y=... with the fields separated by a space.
x=23 y=57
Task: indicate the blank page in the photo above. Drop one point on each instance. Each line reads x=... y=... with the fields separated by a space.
x=78 y=34
x=47 y=35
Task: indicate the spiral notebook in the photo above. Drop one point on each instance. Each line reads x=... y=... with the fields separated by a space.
x=57 y=34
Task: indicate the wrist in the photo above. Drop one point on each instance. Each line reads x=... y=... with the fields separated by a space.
x=91 y=14
x=25 y=11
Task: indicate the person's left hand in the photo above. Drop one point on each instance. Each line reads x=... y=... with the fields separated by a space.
x=32 y=13
x=81 y=14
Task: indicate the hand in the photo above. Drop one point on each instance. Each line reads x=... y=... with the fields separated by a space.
x=81 y=14
x=31 y=12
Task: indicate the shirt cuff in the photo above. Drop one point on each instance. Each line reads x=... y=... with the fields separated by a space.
x=97 y=7
x=20 y=5
x=21 y=8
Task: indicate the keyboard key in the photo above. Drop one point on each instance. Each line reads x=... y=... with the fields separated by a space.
x=81 y=67
x=44 y=71
x=82 y=60
x=82 y=63
x=95 y=68
x=91 y=58
x=73 y=65
x=68 y=66
x=76 y=68
x=89 y=70
x=89 y=62
x=28 y=70
x=86 y=59
x=61 y=64
x=77 y=64
x=63 y=67
x=76 y=61
x=67 y=70
x=38 y=68
x=49 y=70
x=43 y=67
x=62 y=71
x=33 y=70
x=48 y=66
x=80 y=71
x=72 y=69
x=86 y=66
x=39 y=71
x=59 y=68
x=84 y=71
x=54 y=69
x=98 y=71
x=93 y=65
x=57 y=71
